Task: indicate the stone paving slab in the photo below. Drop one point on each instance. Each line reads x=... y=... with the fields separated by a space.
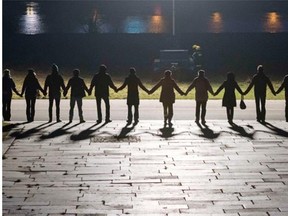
x=90 y=169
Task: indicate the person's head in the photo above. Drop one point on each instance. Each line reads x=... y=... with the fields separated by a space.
x=55 y=69
x=102 y=68
x=132 y=71
x=7 y=73
x=260 y=69
x=76 y=72
x=31 y=72
x=201 y=73
x=230 y=76
x=168 y=73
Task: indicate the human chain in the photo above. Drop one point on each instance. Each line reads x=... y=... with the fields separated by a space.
x=102 y=81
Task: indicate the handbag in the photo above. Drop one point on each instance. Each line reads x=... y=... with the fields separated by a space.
x=242 y=103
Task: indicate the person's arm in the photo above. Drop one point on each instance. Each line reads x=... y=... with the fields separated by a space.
x=250 y=86
x=24 y=87
x=269 y=83
x=219 y=89
x=111 y=84
x=85 y=87
x=40 y=88
x=282 y=86
x=67 y=88
x=142 y=86
x=122 y=86
x=92 y=84
x=177 y=88
x=155 y=87
x=14 y=87
x=209 y=88
x=62 y=85
x=46 y=84
x=239 y=89
x=190 y=87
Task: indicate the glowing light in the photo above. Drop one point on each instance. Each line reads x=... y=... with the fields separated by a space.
x=272 y=22
x=31 y=22
x=134 y=24
x=156 y=24
x=216 y=22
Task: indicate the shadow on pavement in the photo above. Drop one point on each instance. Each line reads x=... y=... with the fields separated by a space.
x=207 y=132
x=25 y=134
x=85 y=134
x=241 y=131
x=59 y=132
x=124 y=131
x=276 y=130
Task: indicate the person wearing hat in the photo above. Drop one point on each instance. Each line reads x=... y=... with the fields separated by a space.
x=8 y=87
x=54 y=82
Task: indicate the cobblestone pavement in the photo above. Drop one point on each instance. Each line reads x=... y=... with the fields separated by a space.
x=58 y=168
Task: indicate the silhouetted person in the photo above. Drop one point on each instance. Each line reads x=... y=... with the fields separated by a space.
x=30 y=87
x=167 y=96
x=229 y=98
x=202 y=86
x=8 y=87
x=284 y=86
x=132 y=81
x=54 y=82
x=260 y=82
x=102 y=81
x=78 y=88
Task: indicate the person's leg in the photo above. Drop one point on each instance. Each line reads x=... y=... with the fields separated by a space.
x=99 y=113
x=286 y=110
x=228 y=113
x=170 y=114
x=28 y=108
x=8 y=109
x=57 y=102
x=50 y=108
x=165 y=107
x=33 y=102
x=136 y=113
x=107 y=105
x=232 y=113
x=129 y=117
x=197 y=111
x=80 y=111
x=258 y=113
x=263 y=108
x=203 y=113
x=72 y=104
